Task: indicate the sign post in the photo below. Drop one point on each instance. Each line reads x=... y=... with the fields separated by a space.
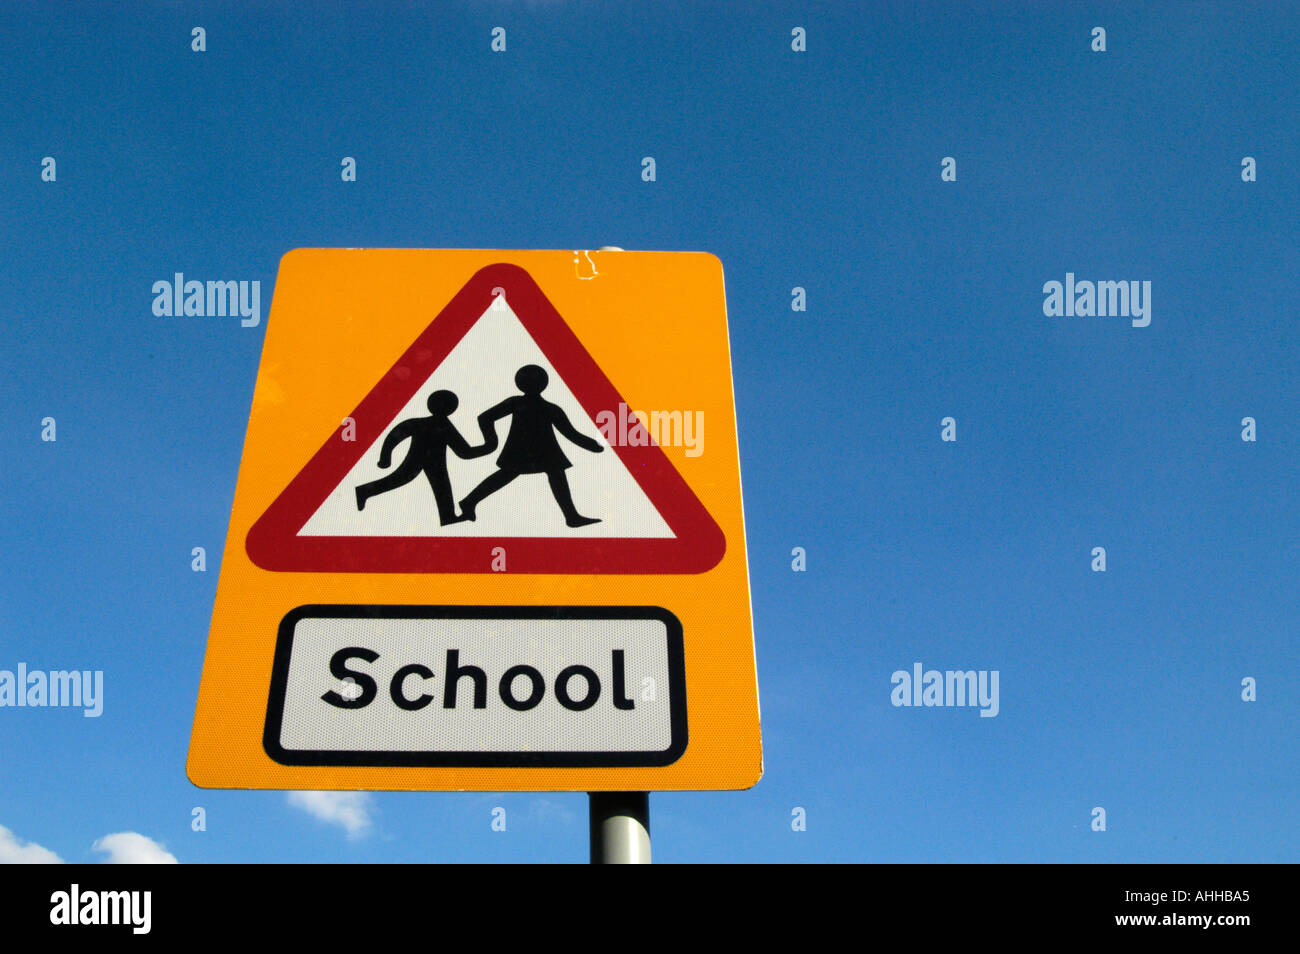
x=620 y=828
x=487 y=535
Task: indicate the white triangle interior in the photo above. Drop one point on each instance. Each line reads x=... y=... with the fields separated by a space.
x=480 y=371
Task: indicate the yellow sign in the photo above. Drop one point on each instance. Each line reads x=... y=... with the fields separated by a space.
x=487 y=533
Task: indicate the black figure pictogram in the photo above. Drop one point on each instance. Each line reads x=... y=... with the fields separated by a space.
x=430 y=438
x=531 y=447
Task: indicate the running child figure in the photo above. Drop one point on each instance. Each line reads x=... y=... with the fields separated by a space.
x=430 y=438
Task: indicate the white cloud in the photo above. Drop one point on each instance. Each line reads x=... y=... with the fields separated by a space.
x=122 y=848
x=13 y=851
x=348 y=810
x=132 y=848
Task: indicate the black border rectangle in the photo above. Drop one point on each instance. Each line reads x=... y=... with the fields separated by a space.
x=284 y=650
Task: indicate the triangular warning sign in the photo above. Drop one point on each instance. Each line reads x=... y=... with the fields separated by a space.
x=484 y=435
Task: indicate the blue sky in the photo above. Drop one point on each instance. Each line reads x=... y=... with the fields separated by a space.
x=818 y=169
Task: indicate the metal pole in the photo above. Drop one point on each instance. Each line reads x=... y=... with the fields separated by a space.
x=620 y=828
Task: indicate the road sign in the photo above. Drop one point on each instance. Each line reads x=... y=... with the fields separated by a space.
x=487 y=532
